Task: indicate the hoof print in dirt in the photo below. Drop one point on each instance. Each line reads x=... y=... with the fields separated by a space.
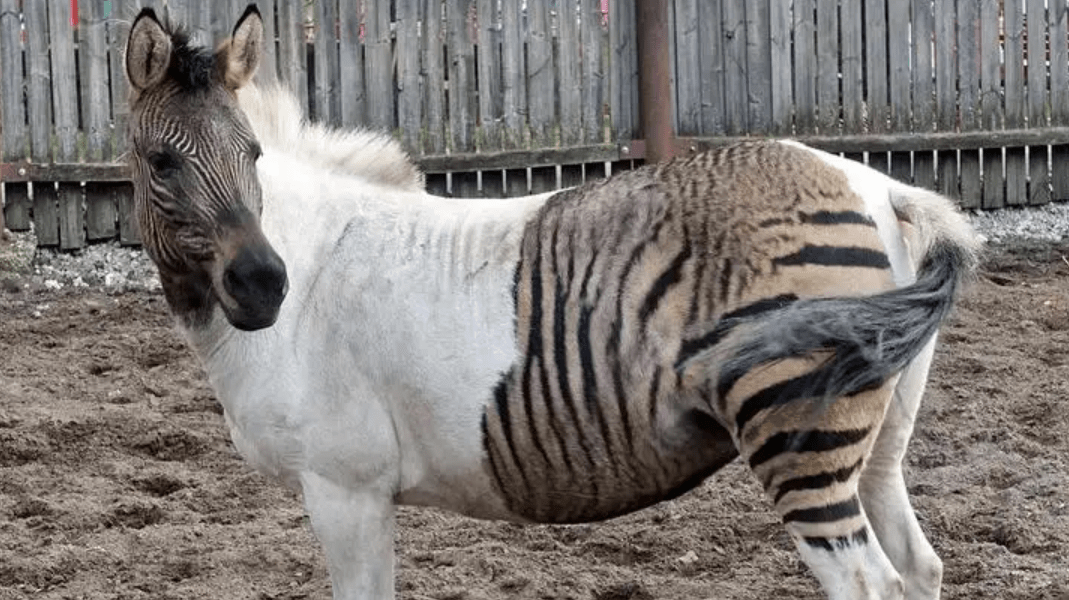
x=171 y=444
x=134 y=515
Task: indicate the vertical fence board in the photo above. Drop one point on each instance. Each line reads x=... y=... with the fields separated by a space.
x=65 y=105
x=292 y=50
x=994 y=195
x=853 y=62
x=1016 y=168
x=1038 y=100
x=594 y=41
x=101 y=213
x=969 y=53
x=779 y=35
x=491 y=116
x=758 y=67
x=269 y=61
x=15 y=142
x=876 y=74
x=540 y=75
x=736 y=100
x=409 y=94
x=828 y=103
x=355 y=100
x=923 y=89
x=378 y=49
x=434 y=84
x=688 y=78
x=624 y=70
x=1058 y=28
x=462 y=99
x=325 y=107
x=710 y=32
x=946 y=76
x=805 y=60
x=899 y=81
x=569 y=65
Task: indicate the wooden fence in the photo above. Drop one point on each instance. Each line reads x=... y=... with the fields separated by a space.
x=507 y=97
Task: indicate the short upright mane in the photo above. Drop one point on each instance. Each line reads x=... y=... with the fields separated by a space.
x=278 y=121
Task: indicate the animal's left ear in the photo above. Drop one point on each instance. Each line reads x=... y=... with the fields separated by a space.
x=241 y=54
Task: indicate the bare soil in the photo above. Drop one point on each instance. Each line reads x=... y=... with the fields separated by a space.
x=118 y=480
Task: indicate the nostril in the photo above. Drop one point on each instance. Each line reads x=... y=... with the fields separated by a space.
x=255 y=277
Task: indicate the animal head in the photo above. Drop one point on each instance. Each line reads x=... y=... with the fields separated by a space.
x=193 y=158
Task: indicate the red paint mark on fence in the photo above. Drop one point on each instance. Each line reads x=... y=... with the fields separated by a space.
x=74 y=13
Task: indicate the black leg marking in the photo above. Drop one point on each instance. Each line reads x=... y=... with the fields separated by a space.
x=815 y=440
x=826 y=514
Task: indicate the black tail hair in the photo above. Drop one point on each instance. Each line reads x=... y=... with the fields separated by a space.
x=869 y=338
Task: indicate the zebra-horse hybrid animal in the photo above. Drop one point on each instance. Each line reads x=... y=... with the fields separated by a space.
x=564 y=357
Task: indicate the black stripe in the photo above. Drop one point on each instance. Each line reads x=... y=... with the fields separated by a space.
x=835 y=256
x=491 y=452
x=858 y=538
x=560 y=359
x=671 y=276
x=689 y=348
x=534 y=352
x=805 y=441
x=843 y=217
x=502 y=403
x=827 y=513
x=816 y=482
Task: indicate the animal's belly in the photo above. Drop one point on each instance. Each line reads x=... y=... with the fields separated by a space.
x=559 y=478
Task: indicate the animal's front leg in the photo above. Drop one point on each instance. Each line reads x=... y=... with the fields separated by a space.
x=356 y=529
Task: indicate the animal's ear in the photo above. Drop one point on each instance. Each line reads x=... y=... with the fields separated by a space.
x=241 y=54
x=148 y=51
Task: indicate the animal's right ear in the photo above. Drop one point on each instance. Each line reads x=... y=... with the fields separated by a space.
x=148 y=51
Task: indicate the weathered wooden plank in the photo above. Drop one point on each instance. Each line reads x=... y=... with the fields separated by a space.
x=992 y=113
x=923 y=89
x=493 y=184
x=463 y=102
x=491 y=102
x=1038 y=99
x=15 y=136
x=1058 y=26
x=465 y=185
x=102 y=211
x=876 y=67
x=946 y=75
x=39 y=82
x=64 y=82
x=623 y=97
x=543 y=179
x=268 y=70
x=736 y=102
x=516 y=183
x=1016 y=102
x=46 y=214
x=16 y=207
x=292 y=50
x=571 y=175
x=409 y=95
x=93 y=75
x=71 y=216
x=710 y=32
x=129 y=233
x=852 y=61
x=688 y=79
x=899 y=82
x=828 y=98
x=779 y=36
x=378 y=49
x=542 y=112
x=759 y=67
x=326 y=106
x=352 y=85
x=595 y=38
x=805 y=66
x=969 y=52
x=434 y=77
x=569 y=73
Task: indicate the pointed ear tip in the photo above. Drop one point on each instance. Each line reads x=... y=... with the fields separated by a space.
x=147 y=12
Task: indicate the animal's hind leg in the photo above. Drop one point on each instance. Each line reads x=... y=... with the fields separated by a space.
x=883 y=489
x=809 y=454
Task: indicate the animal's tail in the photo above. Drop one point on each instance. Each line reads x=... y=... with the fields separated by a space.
x=868 y=339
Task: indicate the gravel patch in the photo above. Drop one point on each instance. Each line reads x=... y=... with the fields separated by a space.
x=117 y=268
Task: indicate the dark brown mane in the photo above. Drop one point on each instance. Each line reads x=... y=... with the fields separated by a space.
x=192 y=67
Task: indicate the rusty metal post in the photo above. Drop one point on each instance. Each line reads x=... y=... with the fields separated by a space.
x=654 y=91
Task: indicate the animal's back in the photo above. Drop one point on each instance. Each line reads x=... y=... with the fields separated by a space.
x=620 y=283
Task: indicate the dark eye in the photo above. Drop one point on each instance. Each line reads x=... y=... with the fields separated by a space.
x=163 y=163
x=256 y=151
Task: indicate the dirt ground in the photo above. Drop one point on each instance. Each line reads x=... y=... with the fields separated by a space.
x=118 y=480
